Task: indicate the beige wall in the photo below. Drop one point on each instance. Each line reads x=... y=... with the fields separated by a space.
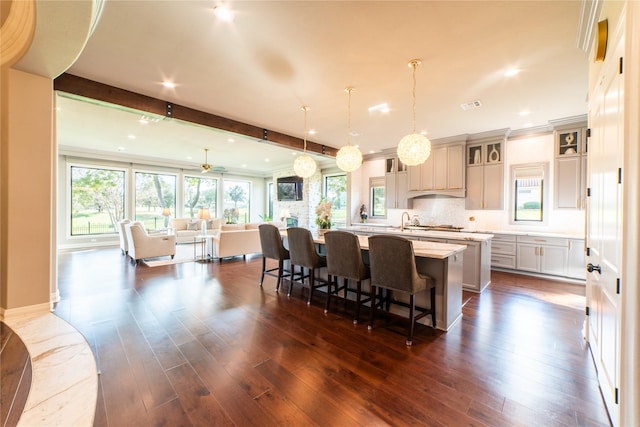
x=27 y=173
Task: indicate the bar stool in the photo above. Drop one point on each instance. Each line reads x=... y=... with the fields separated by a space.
x=344 y=259
x=303 y=254
x=393 y=266
x=272 y=247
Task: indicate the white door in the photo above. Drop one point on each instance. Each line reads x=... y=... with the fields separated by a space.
x=604 y=226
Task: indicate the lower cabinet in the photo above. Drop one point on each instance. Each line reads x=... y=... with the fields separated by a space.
x=557 y=256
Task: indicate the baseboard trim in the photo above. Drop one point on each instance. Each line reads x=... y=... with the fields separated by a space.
x=27 y=311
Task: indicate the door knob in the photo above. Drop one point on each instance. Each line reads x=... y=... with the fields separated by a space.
x=591 y=268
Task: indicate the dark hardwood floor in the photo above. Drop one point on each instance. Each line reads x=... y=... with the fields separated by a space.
x=202 y=344
x=15 y=376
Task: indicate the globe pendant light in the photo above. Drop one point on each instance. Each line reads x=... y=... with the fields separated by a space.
x=414 y=148
x=349 y=158
x=304 y=165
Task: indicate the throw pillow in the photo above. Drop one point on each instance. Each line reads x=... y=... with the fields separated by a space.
x=210 y=224
x=192 y=226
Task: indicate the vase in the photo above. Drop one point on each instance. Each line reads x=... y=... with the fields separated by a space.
x=322 y=231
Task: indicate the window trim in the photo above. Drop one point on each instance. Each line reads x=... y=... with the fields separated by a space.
x=545 y=206
x=183 y=213
x=134 y=195
x=377 y=182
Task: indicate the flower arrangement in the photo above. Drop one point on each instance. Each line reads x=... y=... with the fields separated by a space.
x=323 y=214
x=363 y=213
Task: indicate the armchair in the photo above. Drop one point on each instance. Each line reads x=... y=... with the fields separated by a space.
x=142 y=245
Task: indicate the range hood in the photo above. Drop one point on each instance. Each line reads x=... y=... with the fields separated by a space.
x=459 y=193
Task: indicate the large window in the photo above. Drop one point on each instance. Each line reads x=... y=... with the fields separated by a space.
x=97 y=200
x=154 y=193
x=528 y=189
x=237 y=198
x=200 y=193
x=335 y=191
x=376 y=197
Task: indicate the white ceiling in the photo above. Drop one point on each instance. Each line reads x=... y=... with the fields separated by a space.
x=279 y=55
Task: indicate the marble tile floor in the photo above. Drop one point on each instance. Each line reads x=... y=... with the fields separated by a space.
x=65 y=378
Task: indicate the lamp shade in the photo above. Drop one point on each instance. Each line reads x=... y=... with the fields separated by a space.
x=166 y=212
x=349 y=158
x=304 y=166
x=203 y=213
x=414 y=149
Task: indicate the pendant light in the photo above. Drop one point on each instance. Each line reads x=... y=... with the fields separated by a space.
x=206 y=166
x=304 y=165
x=414 y=148
x=349 y=158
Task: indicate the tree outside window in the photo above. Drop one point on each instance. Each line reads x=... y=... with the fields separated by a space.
x=335 y=191
x=154 y=192
x=200 y=193
x=237 y=198
x=97 y=200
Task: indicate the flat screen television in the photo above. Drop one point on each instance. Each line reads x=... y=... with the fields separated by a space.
x=289 y=188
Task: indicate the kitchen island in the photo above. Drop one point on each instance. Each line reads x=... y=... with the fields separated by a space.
x=476 y=274
x=441 y=261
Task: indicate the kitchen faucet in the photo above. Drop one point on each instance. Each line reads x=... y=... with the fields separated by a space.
x=402 y=220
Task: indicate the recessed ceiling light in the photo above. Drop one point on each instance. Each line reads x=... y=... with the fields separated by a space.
x=120 y=148
x=423 y=132
x=511 y=72
x=131 y=136
x=244 y=165
x=293 y=153
x=312 y=132
x=143 y=121
x=383 y=108
x=354 y=133
x=168 y=84
x=372 y=151
x=527 y=125
x=267 y=160
x=189 y=157
x=223 y=13
x=231 y=140
x=524 y=113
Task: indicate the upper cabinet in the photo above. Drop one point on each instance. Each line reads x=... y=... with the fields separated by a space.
x=395 y=180
x=570 y=168
x=485 y=174
x=442 y=173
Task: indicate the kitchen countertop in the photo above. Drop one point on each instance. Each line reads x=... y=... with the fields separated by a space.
x=534 y=233
x=450 y=235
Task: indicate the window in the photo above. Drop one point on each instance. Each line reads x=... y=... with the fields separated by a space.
x=270 y=200
x=237 y=198
x=97 y=200
x=376 y=197
x=529 y=193
x=200 y=193
x=335 y=191
x=154 y=192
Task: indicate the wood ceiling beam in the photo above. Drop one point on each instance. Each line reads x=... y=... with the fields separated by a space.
x=95 y=90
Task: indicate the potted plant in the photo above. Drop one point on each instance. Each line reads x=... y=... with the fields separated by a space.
x=323 y=216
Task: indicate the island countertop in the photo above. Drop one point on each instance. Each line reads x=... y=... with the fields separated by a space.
x=413 y=233
x=420 y=248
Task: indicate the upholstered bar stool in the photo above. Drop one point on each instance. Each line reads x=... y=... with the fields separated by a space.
x=272 y=247
x=344 y=259
x=393 y=266
x=303 y=254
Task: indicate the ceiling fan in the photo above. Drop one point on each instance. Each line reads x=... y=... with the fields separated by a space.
x=205 y=166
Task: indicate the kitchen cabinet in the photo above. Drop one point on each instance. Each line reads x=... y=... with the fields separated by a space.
x=503 y=251
x=570 y=168
x=577 y=262
x=443 y=172
x=485 y=175
x=396 y=184
x=546 y=255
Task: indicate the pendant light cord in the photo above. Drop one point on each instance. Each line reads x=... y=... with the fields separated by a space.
x=304 y=108
x=414 y=64
x=349 y=89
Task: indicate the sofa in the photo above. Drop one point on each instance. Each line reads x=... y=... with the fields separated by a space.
x=186 y=228
x=144 y=245
x=235 y=240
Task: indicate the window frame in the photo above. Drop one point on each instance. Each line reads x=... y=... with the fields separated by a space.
x=183 y=207
x=249 y=198
x=543 y=169
x=134 y=199
x=377 y=182
x=334 y=220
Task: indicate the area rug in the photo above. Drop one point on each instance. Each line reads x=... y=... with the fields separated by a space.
x=184 y=253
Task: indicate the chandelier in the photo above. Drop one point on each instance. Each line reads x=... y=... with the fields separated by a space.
x=349 y=158
x=414 y=148
x=206 y=166
x=304 y=165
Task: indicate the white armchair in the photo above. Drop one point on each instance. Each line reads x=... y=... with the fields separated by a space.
x=142 y=245
x=122 y=233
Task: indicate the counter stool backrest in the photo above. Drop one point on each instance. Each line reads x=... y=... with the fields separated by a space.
x=344 y=258
x=302 y=249
x=393 y=264
x=271 y=242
